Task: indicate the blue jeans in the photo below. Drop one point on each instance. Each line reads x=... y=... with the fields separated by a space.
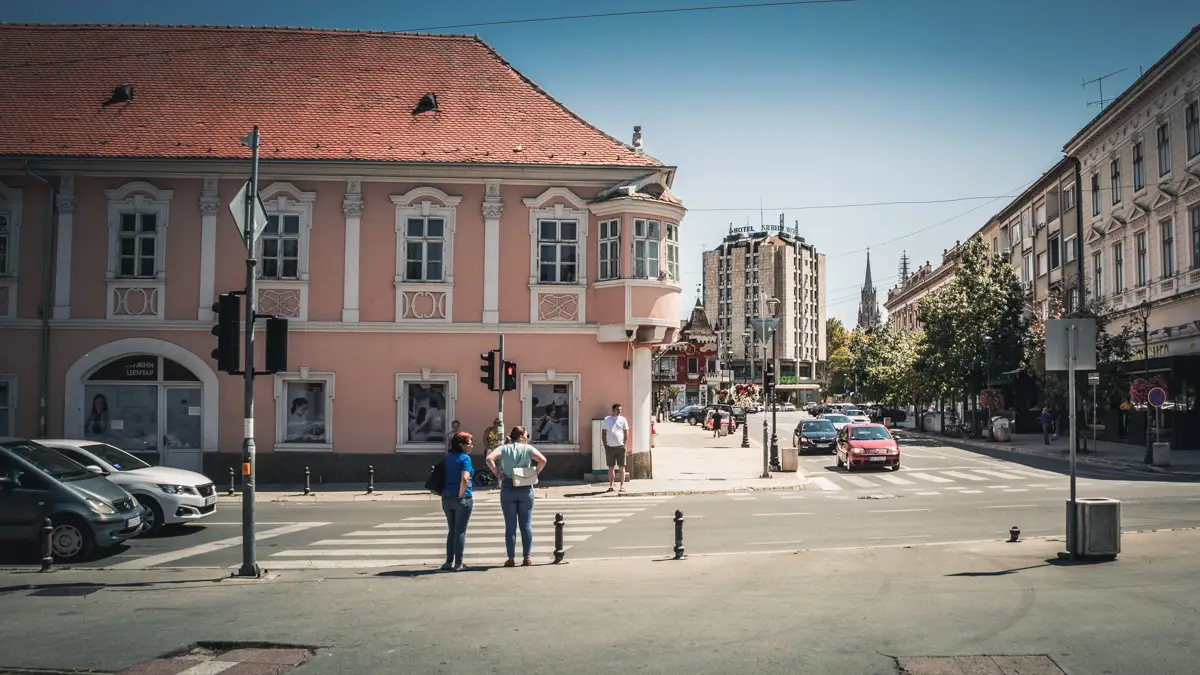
x=458 y=512
x=517 y=505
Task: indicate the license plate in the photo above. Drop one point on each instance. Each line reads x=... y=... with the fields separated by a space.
x=210 y=500
x=878 y=459
x=133 y=522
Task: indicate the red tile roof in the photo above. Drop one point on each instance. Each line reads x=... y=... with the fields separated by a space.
x=315 y=94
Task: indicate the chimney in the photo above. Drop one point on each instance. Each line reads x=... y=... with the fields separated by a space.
x=637 y=138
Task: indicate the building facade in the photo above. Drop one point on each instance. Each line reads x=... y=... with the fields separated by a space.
x=690 y=365
x=903 y=299
x=414 y=214
x=868 y=305
x=740 y=275
x=1140 y=163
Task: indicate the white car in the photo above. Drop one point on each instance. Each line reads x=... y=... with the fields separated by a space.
x=857 y=416
x=171 y=496
x=839 y=421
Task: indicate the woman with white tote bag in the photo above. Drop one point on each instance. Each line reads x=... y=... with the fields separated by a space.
x=518 y=470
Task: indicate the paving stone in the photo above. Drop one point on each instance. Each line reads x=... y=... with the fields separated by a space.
x=284 y=657
x=161 y=667
x=1024 y=664
x=247 y=668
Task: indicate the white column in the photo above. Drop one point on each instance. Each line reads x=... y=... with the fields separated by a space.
x=352 y=208
x=65 y=203
x=210 y=206
x=640 y=407
x=492 y=209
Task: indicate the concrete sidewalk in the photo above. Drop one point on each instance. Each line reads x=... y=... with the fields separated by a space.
x=687 y=460
x=1103 y=453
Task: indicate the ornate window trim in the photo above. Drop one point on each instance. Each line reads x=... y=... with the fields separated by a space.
x=140 y=298
x=551 y=376
x=426 y=375
x=425 y=202
x=287 y=297
x=575 y=209
x=281 y=409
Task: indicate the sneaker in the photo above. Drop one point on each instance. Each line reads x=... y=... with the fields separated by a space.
x=510 y=563
x=610 y=488
x=461 y=568
x=446 y=567
x=527 y=563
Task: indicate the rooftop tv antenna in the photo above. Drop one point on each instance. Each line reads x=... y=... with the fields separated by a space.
x=1099 y=81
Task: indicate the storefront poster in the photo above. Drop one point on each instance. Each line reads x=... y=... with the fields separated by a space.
x=123 y=415
x=551 y=414
x=426 y=412
x=306 y=412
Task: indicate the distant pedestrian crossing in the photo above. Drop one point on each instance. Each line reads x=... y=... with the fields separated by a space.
x=421 y=540
x=928 y=482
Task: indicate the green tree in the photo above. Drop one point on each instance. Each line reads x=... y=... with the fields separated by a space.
x=837 y=357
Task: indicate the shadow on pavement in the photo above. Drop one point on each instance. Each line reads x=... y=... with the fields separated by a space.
x=28 y=553
x=999 y=573
x=433 y=571
x=78 y=589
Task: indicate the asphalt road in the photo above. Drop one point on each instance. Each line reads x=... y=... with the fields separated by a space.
x=941 y=494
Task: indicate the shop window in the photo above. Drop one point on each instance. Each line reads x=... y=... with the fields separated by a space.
x=304 y=411
x=550 y=405
x=425 y=408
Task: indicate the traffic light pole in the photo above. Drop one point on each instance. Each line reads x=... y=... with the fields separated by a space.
x=249 y=566
x=500 y=390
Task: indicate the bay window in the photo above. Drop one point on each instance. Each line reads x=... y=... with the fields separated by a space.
x=645 y=248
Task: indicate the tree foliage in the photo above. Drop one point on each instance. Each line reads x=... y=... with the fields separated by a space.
x=881 y=364
x=837 y=357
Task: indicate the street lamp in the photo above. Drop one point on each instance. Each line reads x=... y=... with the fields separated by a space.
x=1143 y=313
x=987 y=360
x=772 y=307
x=746 y=426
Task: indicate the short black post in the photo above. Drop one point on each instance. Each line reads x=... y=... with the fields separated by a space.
x=371 y=479
x=678 y=535
x=558 y=538
x=307 y=481
x=47 y=550
x=231 y=479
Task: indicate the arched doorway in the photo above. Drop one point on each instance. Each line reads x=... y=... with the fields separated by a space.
x=148 y=397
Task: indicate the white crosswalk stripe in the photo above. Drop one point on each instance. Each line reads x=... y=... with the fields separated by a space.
x=420 y=540
x=964 y=476
x=998 y=474
x=895 y=480
x=929 y=477
x=825 y=484
x=946 y=481
x=859 y=481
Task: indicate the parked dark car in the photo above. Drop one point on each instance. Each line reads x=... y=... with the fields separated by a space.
x=86 y=510
x=692 y=414
x=815 y=436
x=878 y=412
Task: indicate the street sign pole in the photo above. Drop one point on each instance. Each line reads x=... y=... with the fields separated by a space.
x=1094 y=380
x=498 y=370
x=249 y=566
x=1072 y=519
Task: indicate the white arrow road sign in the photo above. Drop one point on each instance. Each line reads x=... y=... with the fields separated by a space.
x=238 y=208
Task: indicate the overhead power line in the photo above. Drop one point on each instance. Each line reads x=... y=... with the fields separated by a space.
x=813 y=207
x=317 y=34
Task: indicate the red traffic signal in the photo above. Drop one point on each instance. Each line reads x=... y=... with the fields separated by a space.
x=510 y=376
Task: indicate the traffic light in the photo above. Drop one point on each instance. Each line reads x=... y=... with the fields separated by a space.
x=489 y=369
x=510 y=376
x=228 y=353
x=769 y=378
x=277 y=345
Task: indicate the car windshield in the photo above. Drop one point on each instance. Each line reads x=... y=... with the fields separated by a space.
x=854 y=411
x=819 y=425
x=53 y=463
x=119 y=459
x=838 y=419
x=869 y=434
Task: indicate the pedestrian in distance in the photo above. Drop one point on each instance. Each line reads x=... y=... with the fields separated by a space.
x=455 y=427
x=717 y=416
x=456 y=498
x=1047 y=424
x=616 y=430
x=517 y=465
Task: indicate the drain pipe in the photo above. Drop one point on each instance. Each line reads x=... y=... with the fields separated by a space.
x=47 y=305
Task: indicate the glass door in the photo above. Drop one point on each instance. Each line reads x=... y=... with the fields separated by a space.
x=182 y=427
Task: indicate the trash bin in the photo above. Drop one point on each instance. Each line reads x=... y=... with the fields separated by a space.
x=789 y=459
x=1099 y=523
x=1000 y=429
x=1160 y=454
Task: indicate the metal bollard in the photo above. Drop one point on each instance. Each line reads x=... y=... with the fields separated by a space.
x=558 y=538
x=1014 y=534
x=371 y=479
x=47 y=549
x=231 y=479
x=307 y=481
x=679 y=535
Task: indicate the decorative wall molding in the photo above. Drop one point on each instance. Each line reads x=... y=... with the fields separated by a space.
x=210 y=206
x=352 y=210
x=65 y=202
x=140 y=299
x=424 y=303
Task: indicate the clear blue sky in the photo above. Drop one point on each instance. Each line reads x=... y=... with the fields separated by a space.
x=866 y=101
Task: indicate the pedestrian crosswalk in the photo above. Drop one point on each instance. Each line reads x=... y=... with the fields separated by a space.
x=929 y=482
x=421 y=540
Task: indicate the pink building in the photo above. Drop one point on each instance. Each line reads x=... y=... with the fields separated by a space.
x=423 y=198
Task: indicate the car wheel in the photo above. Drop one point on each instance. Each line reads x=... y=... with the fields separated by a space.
x=71 y=540
x=896 y=467
x=153 y=518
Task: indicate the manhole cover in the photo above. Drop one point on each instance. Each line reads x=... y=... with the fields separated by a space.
x=1025 y=664
x=66 y=591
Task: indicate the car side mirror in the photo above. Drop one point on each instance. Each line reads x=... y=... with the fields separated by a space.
x=7 y=483
x=95 y=469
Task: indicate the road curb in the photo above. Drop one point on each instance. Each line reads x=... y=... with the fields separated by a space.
x=1095 y=461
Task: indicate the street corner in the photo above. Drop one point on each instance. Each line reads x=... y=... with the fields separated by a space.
x=1026 y=664
x=227 y=658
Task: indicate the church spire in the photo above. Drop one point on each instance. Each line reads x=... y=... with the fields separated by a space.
x=868 y=307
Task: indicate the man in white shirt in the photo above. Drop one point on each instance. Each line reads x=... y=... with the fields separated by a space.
x=616 y=430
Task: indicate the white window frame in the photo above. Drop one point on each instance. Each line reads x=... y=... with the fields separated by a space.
x=426 y=202
x=1068 y=197
x=609 y=250
x=1118 y=256
x=1054 y=246
x=1162 y=141
x=1141 y=258
x=646 y=258
x=1098 y=274
x=671 y=243
x=1166 y=245
x=303 y=375
x=1096 y=204
x=1043 y=263
x=1139 y=166
x=558 y=203
x=552 y=376
x=10 y=382
x=1070 y=251
x=283 y=199
x=426 y=376
x=559 y=245
x=11 y=205
x=137 y=197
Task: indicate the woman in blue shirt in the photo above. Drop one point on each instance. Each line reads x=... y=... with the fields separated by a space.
x=516 y=501
x=456 y=498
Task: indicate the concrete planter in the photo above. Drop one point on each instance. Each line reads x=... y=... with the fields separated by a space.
x=640 y=465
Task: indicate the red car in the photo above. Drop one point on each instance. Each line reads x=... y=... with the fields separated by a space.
x=867 y=445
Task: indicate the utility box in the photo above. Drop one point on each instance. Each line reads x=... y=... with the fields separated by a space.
x=1160 y=454
x=1001 y=431
x=1099 y=527
x=789 y=459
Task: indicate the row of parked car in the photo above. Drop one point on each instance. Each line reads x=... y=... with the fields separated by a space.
x=96 y=495
x=857 y=442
